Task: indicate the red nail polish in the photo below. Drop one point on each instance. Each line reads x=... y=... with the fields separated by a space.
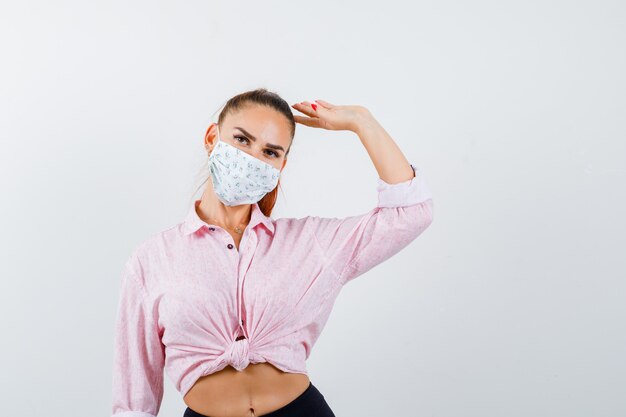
x=314 y=106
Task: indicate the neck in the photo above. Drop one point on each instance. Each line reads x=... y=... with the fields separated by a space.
x=211 y=209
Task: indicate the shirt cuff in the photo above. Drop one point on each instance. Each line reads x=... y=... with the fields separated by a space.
x=132 y=414
x=402 y=194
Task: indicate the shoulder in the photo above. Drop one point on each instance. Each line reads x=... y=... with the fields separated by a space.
x=157 y=239
x=297 y=229
x=296 y=224
x=149 y=252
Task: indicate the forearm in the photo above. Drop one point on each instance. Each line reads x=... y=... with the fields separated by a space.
x=388 y=159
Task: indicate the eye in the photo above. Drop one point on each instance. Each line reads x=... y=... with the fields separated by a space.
x=274 y=154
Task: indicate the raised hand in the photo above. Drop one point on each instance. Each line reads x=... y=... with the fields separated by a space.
x=325 y=115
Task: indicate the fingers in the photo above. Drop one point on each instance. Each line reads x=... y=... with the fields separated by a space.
x=313 y=111
x=325 y=104
x=307 y=121
x=314 y=106
x=306 y=108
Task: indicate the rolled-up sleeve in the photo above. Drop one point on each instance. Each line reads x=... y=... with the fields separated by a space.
x=139 y=354
x=354 y=245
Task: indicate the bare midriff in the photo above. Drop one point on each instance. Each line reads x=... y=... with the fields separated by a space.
x=258 y=389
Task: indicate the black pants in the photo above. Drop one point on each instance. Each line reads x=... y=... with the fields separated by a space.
x=310 y=403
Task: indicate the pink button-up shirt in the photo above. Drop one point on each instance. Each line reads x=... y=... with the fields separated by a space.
x=191 y=303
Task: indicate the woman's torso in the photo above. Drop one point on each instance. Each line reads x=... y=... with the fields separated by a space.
x=257 y=390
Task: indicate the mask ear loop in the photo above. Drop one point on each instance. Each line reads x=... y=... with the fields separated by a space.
x=217 y=127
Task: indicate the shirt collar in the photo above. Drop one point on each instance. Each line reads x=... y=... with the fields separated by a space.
x=193 y=222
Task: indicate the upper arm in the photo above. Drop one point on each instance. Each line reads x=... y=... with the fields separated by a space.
x=139 y=355
x=355 y=244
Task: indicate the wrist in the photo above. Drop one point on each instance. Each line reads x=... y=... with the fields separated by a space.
x=363 y=121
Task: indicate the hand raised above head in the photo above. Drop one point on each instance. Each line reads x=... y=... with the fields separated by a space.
x=325 y=115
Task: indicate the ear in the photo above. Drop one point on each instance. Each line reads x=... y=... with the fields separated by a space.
x=210 y=136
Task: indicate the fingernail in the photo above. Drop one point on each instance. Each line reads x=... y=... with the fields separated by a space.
x=314 y=106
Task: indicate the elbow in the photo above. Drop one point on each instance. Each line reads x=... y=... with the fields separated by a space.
x=428 y=209
x=420 y=217
x=405 y=223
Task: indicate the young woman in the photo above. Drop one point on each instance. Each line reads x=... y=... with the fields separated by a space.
x=229 y=302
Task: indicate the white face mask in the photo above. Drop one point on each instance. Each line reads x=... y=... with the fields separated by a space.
x=239 y=178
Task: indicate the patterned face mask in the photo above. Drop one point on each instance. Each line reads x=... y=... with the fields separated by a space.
x=239 y=178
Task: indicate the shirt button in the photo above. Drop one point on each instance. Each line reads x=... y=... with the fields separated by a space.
x=230 y=246
x=212 y=229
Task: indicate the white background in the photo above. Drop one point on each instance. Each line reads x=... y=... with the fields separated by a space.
x=510 y=304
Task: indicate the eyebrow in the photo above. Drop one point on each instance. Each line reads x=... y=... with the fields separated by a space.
x=269 y=145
